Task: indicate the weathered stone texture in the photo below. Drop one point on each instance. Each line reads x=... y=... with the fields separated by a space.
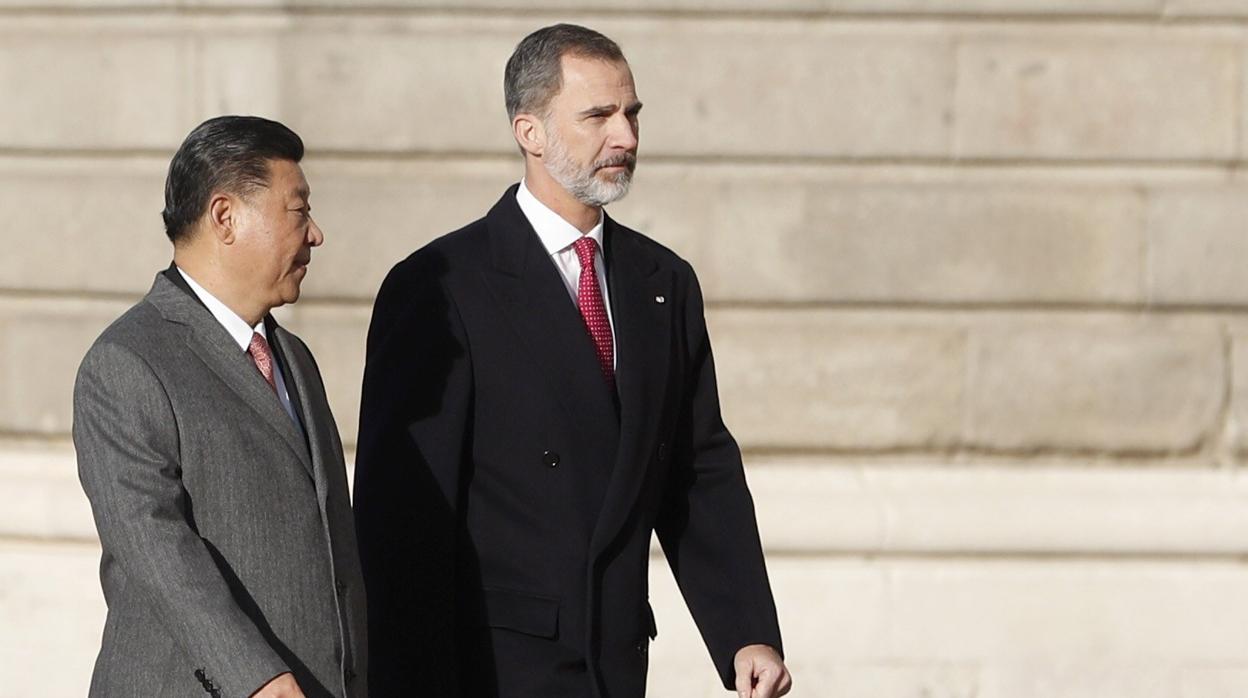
x=814 y=380
x=1198 y=246
x=121 y=89
x=1134 y=387
x=41 y=346
x=783 y=240
x=1098 y=97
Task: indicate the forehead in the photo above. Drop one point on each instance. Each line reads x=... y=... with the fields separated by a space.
x=286 y=179
x=596 y=80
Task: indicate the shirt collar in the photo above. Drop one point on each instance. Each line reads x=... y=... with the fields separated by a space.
x=235 y=325
x=555 y=233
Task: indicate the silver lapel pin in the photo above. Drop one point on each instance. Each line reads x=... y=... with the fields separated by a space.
x=660 y=299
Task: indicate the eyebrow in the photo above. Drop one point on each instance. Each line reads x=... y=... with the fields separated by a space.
x=611 y=109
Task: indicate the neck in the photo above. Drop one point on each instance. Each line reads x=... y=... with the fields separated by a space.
x=546 y=190
x=211 y=275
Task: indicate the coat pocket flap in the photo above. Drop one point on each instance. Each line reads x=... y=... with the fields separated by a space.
x=526 y=613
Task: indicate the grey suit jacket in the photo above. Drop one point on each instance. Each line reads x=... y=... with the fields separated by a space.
x=229 y=551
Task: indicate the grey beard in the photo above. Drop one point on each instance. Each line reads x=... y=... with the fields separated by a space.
x=581 y=182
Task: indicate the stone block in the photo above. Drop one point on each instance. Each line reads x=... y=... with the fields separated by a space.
x=244 y=73
x=42 y=342
x=376 y=213
x=1129 y=96
x=46 y=501
x=776 y=239
x=61 y=5
x=1243 y=104
x=989 y=628
x=821 y=506
x=409 y=84
x=844 y=91
x=1084 y=612
x=51 y=617
x=1205 y=8
x=1197 y=247
x=82 y=87
x=1237 y=416
x=817 y=380
x=1213 y=681
x=1001 y=7
x=1095 y=384
x=82 y=225
x=707 y=7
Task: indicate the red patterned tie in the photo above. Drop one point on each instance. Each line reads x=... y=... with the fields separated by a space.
x=259 y=350
x=593 y=310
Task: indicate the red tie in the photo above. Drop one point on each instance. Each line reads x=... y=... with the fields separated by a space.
x=593 y=310
x=259 y=350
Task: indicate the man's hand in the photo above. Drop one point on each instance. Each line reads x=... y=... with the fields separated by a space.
x=761 y=672
x=282 y=686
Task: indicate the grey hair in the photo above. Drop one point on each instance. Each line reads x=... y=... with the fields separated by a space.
x=534 y=73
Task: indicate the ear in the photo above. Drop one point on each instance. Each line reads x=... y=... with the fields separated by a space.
x=529 y=133
x=222 y=214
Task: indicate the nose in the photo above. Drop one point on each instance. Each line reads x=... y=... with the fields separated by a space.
x=315 y=236
x=624 y=132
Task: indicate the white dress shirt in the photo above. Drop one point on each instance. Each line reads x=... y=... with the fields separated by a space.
x=241 y=333
x=558 y=236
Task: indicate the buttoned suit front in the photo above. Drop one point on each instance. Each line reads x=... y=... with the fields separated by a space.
x=229 y=552
x=506 y=494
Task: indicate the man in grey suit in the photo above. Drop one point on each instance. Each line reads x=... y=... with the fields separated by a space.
x=207 y=448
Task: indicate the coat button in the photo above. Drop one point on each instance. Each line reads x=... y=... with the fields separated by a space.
x=341 y=587
x=662 y=451
x=550 y=458
x=643 y=647
x=349 y=675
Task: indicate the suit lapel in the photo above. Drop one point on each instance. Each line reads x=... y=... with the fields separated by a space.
x=214 y=346
x=642 y=316
x=302 y=379
x=279 y=339
x=541 y=312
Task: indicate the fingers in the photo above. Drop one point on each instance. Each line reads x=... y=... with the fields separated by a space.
x=766 y=686
x=745 y=677
x=785 y=685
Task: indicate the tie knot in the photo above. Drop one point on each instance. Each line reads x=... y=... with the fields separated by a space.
x=258 y=346
x=263 y=358
x=585 y=248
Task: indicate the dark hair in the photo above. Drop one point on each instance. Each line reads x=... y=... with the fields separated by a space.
x=228 y=153
x=534 y=72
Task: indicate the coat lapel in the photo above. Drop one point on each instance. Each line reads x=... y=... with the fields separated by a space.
x=214 y=346
x=641 y=311
x=545 y=317
x=303 y=380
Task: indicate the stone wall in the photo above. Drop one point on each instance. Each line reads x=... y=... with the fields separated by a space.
x=975 y=273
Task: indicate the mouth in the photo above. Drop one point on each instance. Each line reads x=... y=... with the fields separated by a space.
x=620 y=163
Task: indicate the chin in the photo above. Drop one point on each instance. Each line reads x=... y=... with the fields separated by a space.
x=289 y=294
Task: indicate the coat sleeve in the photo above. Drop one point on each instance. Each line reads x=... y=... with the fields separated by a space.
x=414 y=425
x=125 y=435
x=707 y=525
